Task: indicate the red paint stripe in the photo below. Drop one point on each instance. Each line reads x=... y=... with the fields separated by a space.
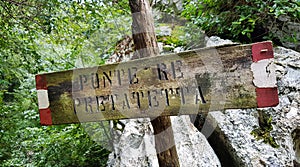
x=262 y=50
x=41 y=82
x=267 y=97
x=45 y=116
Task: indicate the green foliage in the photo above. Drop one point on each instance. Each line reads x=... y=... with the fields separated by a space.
x=183 y=33
x=85 y=32
x=43 y=36
x=166 y=6
x=25 y=143
x=176 y=38
x=264 y=129
x=245 y=20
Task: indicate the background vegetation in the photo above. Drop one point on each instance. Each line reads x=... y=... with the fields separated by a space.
x=43 y=36
x=248 y=20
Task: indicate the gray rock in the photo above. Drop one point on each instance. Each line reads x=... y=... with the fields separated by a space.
x=178 y=49
x=163 y=31
x=291 y=29
x=192 y=147
x=216 y=41
x=135 y=146
x=233 y=127
x=160 y=46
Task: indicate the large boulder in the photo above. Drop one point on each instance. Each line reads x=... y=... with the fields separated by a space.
x=217 y=41
x=233 y=128
x=135 y=146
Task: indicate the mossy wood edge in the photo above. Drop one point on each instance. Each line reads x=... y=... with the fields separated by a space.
x=190 y=82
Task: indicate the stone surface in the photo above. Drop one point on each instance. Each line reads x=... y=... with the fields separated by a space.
x=135 y=146
x=192 y=147
x=288 y=29
x=216 y=41
x=178 y=49
x=233 y=127
x=163 y=31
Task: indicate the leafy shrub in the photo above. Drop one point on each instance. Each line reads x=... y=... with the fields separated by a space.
x=25 y=143
x=246 y=20
x=47 y=41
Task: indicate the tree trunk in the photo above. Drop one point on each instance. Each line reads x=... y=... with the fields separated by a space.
x=143 y=29
x=146 y=45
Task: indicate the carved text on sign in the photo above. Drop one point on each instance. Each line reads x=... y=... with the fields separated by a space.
x=134 y=88
x=118 y=77
x=202 y=80
x=133 y=100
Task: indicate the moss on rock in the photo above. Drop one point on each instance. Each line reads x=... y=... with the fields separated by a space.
x=264 y=129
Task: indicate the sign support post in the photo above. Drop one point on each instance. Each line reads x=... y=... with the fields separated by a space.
x=144 y=38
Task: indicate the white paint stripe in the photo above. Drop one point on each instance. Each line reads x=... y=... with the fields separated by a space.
x=264 y=73
x=43 y=99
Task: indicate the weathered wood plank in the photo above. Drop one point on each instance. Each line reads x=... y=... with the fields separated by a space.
x=201 y=80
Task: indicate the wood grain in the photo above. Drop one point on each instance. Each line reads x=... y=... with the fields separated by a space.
x=194 y=81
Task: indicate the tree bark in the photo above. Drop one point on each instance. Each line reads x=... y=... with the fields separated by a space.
x=146 y=45
x=143 y=29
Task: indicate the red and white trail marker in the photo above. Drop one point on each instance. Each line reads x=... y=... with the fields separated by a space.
x=264 y=74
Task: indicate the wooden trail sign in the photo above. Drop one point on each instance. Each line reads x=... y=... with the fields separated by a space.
x=202 y=80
